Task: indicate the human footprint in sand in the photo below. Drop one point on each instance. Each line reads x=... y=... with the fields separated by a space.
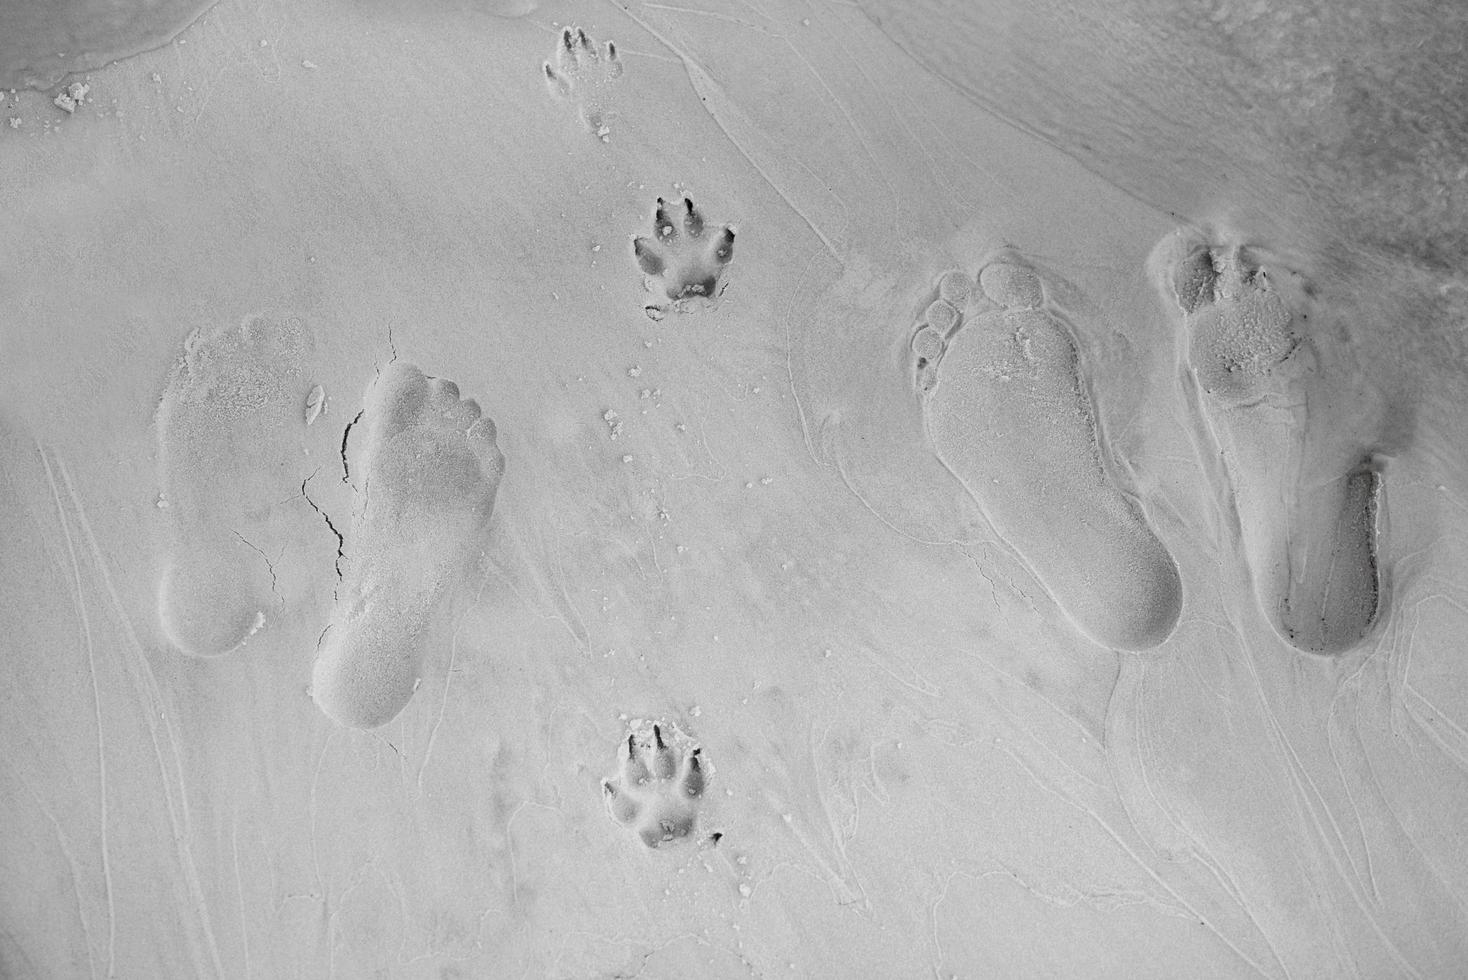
x=426 y=478
x=1009 y=414
x=1306 y=487
x=231 y=434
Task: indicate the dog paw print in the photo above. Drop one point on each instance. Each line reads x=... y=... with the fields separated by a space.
x=683 y=259
x=584 y=74
x=658 y=786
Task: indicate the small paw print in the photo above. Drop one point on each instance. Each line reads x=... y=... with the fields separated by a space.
x=584 y=75
x=658 y=787
x=682 y=259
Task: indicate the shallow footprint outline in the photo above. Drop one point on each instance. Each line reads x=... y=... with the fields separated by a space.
x=1007 y=411
x=1309 y=525
x=427 y=474
x=682 y=260
x=658 y=787
x=229 y=424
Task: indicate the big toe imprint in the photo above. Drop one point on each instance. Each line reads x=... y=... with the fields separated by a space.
x=427 y=475
x=230 y=429
x=1306 y=500
x=1009 y=414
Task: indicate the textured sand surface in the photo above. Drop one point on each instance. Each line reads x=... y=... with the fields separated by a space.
x=432 y=548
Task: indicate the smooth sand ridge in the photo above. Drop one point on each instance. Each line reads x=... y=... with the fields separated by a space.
x=228 y=429
x=1009 y=415
x=426 y=477
x=1308 y=525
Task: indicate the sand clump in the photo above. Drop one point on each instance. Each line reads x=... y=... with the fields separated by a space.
x=70 y=98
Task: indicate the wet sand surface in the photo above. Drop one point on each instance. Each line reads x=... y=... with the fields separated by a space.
x=42 y=43
x=434 y=549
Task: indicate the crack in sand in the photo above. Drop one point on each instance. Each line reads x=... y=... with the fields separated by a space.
x=346 y=435
x=340 y=540
x=269 y=565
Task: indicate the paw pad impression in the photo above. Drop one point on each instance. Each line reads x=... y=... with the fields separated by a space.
x=683 y=259
x=659 y=784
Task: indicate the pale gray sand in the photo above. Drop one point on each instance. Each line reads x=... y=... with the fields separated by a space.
x=1308 y=519
x=1010 y=414
x=729 y=521
x=426 y=475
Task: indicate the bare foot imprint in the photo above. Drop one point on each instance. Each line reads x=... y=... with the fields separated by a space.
x=682 y=261
x=1308 y=524
x=658 y=785
x=426 y=480
x=1008 y=414
x=228 y=429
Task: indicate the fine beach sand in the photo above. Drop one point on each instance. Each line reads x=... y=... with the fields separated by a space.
x=813 y=490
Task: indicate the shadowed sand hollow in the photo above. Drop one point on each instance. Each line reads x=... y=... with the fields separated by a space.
x=1307 y=514
x=425 y=477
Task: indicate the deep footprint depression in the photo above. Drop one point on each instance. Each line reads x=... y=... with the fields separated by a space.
x=1306 y=509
